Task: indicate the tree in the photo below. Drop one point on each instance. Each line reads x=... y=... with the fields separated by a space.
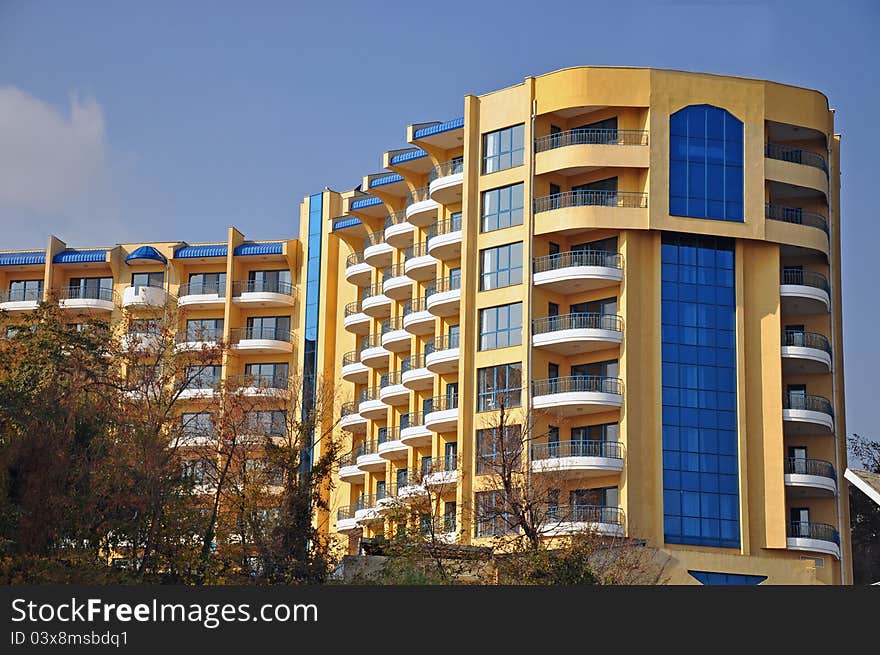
x=865 y=515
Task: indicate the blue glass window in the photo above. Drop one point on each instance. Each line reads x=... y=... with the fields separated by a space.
x=501 y=266
x=700 y=466
x=501 y=327
x=502 y=208
x=706 y=164
x=503 y=149
x=727 y=579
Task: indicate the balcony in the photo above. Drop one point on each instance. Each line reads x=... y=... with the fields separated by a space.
x=355 y=320
x=416 y=317
x=370 y=405
x=814 y=538
x=391 y=389
x=421 y=210
x=357 y=271
x=442 y=414
x=446 y=181
x=377 y=253
x=374 y=302
x=345 y=520
x=804 y=292
x=263 y=293
x=201 y=295
x=373 y=353
x=441 y=474
x=88 y=299
x=144 y=297
x=441 y=355
x=796 y=216
x=577 y=394
x=199 y=340
x=389 y=444
x=573 y=212
x=365 y=510
x=443 y=296
x=805 y=352
x=368 y=457
x=141 y=342
x=202 y=387
x=394 y=337
x=262 y=340
x=348 y=470
x=802 y=414
x=414 y=373
x=261 y=386
x=398 y=231
x=397 y=496
x=352 y=368
x=395 y=283
x=413 y=431
x=577 y=271
x=570 y=519
x=582 y=332
x=350 y=419
x=444 y=238
x=582 y=150
x=577 y=459
x=20 y=300
x=810 y=478
x=419 y=264
x=795 y=166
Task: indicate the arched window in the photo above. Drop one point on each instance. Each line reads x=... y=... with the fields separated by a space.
x=706 y=163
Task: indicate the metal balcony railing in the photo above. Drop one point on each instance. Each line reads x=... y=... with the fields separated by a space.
x=446 y=226
x=348 y=408
x=801 y=277
x=354 y=258
x=413 y=362
x=260 y=381
x=351 y=357
x=577 y=384
x=392 y=324
x=577 y=321
x=806 y=340
x=370 y=393
x=395 y=270
x=372 y=290
x=395 y=218
x=21 y=295
x=810 y=530
x=447 y=168
x=271 y=333
x=371 y=341
x=369 y=447
x=795 y=215
x=411 y=420
x=415 y=305
x=348 y=459
x=345 y=513
x=418 y=195
x=419 y=249
x=818 y=467
x=390 y=379
x=88 y=293
x=795 y=155
x=442 y=284
x=374 y=239
x=442 y=403
x=202 y=289
x=574 y=258
x=441 y=465
x=200 y=335
x=577 y=448
x=629 y=199
x=389 y=434
x=263 y=286
x=795 y=400
x=591 y=136
x=584 y=514
x=443 y=342
x=365 y=501
x=353 y=308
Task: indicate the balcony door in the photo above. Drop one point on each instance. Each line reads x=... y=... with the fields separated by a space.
x=798 y=457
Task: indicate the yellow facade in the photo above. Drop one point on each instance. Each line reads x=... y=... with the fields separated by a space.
x=409 y=248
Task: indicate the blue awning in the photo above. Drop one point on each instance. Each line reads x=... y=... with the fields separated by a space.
x=345 y=221
x=273 y=248
x=369 y=201
x=22 y=258
x=409 y=155
x=193 y=252
x=437 y=128
x=146 y=253
x=386 y=179
x=80 y=257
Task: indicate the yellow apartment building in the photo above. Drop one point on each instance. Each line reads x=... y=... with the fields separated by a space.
x=642 y=264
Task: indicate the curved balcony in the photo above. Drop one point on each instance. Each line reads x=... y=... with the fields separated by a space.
x=355 y=320
x=20 y=300
x=796 y=216
x=88 y=299
x=377 y=253
x=389 y=444
x=358 y=271
x=353 y=370
x=416 y=317
x=142 y=296
x=201 y=295
x=579 y=458
x=444 y=238
x=350 y=420
x=201 y=388
x=585 y=149
x=368 y=456
x=410 y=486
x=365 y=510
x=814 y=538
x=263 y=293
x=806 y=414
x=441 y=354
x=421 y=210
x=443 y=296
x=395 y=282
x=796 y=167
x=805 y=352
x=345 y=519
x=262 y=340
x=413 y=431
x=141 y=342
x=577 y=394
x=394 y=338
x=582 y=332
x=374 y=302
x=446 y=181
x=414 y=373
x=196 y=340
x=373 y=353
x=440 y=472
x=398 y=231
x=571 y=519
x=396 y=496
x=348 y=470
x=577 y=211
x=576 y=271
x=442 y=414
x=265 y=386
x=370 y=405
x=804 y=292
x=391 y=389
x=810 y=478
x=419 y=264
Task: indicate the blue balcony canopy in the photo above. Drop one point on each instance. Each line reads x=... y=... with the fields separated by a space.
x=22 y=258
x=409 y=155
x=273 y=248
x=194 y=252
x=144 y=254
x=386 y=179
x=345 y=221
x=368 y=201
x=437 y=128
x=80 y=257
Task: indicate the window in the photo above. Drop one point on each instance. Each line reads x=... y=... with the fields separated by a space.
x=264 y=471
x=499 y=386
x=706 y=164
x=96 y=288
x=501 y=327
x=156 y=279
x=267 y=422
x=493 y=442
x=449 y=516
x=492 y=519
x=503 y=148
x=501 y=266
x=199 y=471
x=20 y=290
x=197 y=426
x=727 y=579
x=502 y=208
x=272 y=281
x=207 y=283
x=274 y=374
x=202 y=377
x=204 y=329
x=451 y=456
x=402 y=477
x=269 y=327
x=585 y=433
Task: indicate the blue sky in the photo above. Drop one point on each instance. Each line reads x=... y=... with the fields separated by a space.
x=165 y=121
